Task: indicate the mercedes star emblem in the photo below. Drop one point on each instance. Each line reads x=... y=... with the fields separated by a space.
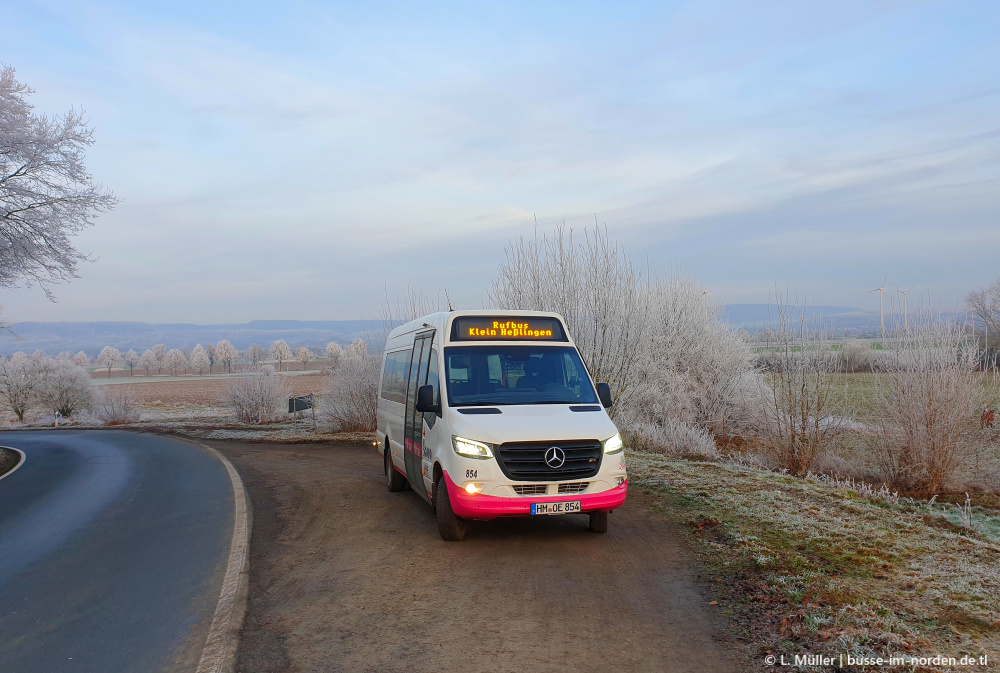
x=555 y=457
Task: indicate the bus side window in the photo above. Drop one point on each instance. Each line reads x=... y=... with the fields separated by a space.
x=434 y=381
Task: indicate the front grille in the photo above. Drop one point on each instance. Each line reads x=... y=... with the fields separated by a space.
x=525 y=461
x=578 y=487
x=531 y=489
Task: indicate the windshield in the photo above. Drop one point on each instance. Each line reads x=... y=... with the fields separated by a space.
x=491 y=375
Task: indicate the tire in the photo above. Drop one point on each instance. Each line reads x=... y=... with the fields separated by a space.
x=393 y=479
x=598 y=522
x=451 y=527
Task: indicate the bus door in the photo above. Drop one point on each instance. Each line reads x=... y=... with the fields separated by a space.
x=414 y=429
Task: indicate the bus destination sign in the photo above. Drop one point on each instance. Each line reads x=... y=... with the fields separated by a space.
x=477 y=328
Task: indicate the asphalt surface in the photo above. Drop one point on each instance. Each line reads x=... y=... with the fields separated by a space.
x=113 y=546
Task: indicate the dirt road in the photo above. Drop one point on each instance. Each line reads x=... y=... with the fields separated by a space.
x=346 y=576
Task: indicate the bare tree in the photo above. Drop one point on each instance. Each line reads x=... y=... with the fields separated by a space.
x=985 y=306
x=930 y=402
x=304 y=355
x=174 y=360
x=210 y=352
x=19 y=383
x=147 y=361
x=593 y=285
x=159 y=352
x=131 y=360
x=256 y=394
x=255 y=355
x=109 y=357
x=856 y=355
x=280 y=352
x=199 y=359
x=226 y=354
x=46 y=194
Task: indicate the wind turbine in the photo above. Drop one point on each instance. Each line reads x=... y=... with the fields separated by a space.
x=905 y=292
x=881 y=311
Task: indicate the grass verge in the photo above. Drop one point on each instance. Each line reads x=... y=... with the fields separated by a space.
x=804 y=567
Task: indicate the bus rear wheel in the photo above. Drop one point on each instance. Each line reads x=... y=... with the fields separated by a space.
x=393 y=479
x=450 y=526
x=598 y=522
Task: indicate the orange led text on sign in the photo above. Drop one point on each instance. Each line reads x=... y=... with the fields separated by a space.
x=510 y=329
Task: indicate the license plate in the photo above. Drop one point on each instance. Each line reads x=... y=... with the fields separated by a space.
x=555 y=507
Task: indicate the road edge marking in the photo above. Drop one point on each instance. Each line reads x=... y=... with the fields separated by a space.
x=219 y=653
x=19 y=463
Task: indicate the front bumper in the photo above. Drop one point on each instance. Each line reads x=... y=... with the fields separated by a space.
x=485 y=507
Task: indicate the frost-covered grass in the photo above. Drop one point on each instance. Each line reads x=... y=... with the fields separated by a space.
x=824 y=567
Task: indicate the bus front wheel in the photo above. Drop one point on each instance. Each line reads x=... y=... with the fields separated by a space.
x=450 y=526
x=598 y=522
x=393 y=479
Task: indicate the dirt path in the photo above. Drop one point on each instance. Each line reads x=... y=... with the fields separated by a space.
x=346 y=576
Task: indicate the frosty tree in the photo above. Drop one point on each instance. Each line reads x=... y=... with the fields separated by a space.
x=333 y=353
x=255 y=355
x=357 y=349
x=199 y=359
x=174 y=360
x=46 y=194
x=280 y=352
x=147 y=361
x=303 y=355
x=227 y=354
x=109 y=357
x=159 y=352
x=81 y=359
x=131 y=360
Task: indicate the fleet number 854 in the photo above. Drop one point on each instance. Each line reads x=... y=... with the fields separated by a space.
x=471 y=474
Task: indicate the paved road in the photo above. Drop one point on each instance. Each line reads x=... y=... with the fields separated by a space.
x=347 y=577
x=113 y=546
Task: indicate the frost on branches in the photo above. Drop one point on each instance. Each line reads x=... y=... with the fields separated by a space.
x=46 y=194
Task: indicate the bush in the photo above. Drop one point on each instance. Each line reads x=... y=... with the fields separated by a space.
x=674 y=438
x=796 y=424
x=349 y=403
x=119 y=405
x=257 y=395
x=929 y=401
x=856 y=356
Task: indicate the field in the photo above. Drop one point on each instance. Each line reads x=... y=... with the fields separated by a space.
x=804 y=566
x=197 y=392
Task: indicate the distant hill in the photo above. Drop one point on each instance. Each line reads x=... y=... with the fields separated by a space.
x=91 y=337
x=840 y=320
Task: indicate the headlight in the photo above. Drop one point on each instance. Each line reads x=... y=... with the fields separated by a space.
x=613 y=445
x=471 y=448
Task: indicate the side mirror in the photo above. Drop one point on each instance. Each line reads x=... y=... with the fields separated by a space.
x=604 y=395
x=425 y=401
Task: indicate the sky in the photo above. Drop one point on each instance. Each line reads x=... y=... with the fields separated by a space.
x=306 y=160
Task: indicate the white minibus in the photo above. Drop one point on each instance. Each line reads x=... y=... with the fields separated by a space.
x=490 y=414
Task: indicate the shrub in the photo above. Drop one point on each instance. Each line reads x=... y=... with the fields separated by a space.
x=350 y=400
x=856 y=356
x=257 y=395
x=673 y=437
x=796 y=424
x=119 y=405
x=929 y=401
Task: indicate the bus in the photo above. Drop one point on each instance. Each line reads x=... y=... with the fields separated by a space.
x=490 y=414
